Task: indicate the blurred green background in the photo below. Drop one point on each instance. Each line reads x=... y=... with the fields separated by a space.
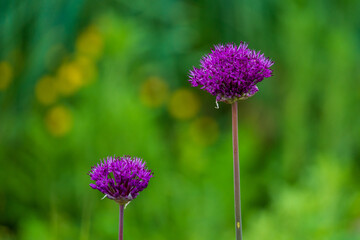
x=80 y=80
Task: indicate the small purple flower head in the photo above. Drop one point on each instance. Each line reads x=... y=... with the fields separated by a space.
x=231 y=72
x=120 y=179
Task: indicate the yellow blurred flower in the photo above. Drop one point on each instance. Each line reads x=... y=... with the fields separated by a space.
x=45 y=90
x=154 y=92
x=90 y=42
x=59 y=121
x=70 y=78
x=204 y=131
x=184 y=104
x=87 y=68
x=6 y=75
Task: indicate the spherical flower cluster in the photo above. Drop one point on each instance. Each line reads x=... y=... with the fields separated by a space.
x=120 y=179
x=231 y=72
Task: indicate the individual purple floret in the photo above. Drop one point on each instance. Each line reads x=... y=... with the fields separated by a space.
x=120 y=179
x=231 y=72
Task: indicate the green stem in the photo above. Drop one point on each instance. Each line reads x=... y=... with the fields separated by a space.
x=238 y=224
x=121 y=221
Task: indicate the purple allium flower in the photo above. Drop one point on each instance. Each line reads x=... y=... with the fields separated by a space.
x=120 y=179
x=231 y=72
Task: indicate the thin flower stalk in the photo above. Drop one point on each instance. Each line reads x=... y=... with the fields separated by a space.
x=237 y=195
x=121 y=221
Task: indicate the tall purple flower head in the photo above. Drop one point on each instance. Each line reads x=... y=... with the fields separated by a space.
x=120 y=178
x=231 y=72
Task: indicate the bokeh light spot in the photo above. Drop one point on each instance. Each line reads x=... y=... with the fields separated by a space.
x=59 y=121
x=45 y=90
x=204 y=131
x=6 y=75
x=70 y=78
x=154 y=92
x=90 y=42
x=87 y=68
x=184 y=104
